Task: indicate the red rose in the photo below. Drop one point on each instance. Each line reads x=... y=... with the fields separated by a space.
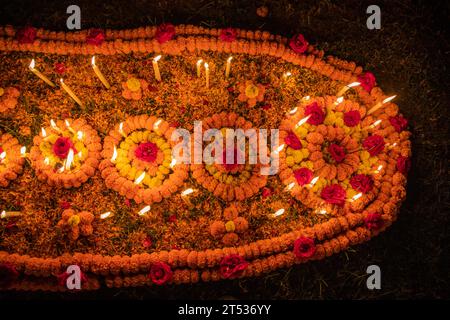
x=172 y=218
x=26 y=34
x=59 y=68
x=62 y=278
x=165 y=32
x=304 y=248
x=303 y=176
x=228 y=35
x=337 y=152
x=293 y=141
x=95 y=37
x=65 y=205
x=146 y=151
x=399 y=123
x=62 y=146
x=266 y=192
x=352 y=118
x=298 y=43
x=403 y=164
x=374 y=144
x=367 y=81
x=334 y=194
x=128 y=203
x=316 y=114
x=373 y=221
x=362 y=183
x=147 y=242
x=232 y=266
x=8 y=274
x=160 y=273
x=174 y=124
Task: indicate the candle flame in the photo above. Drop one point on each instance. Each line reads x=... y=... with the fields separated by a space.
x=69 y=160
x=279 y=149
x=187 y=191
x=293 y=111
x=23 y=150
x=287 y=74
x=278 y=213
x=173 y=162
x=44 y=132
x=80 y=154
x=379 y=168
x=32 y=64
x=322 y=211
x=140 y=178
x=157 y=123
x=3 y=155
x=144 y=210
x=114 y=155
x=199 y=62
x=67 y=123
x=105 y=215
x=93 y=60
x=338 y=101
x=353 y=84
x=156 y=59
x=302 y=121
x=53 y=124
x=356 y=197
x=46 y=161
x=289 y=186
x=3 y=214
x=306 y=98
x=80 y=135
x=389 y=99
x=61 y=80
x=230 y=58
x=206 y=65
x=121 y=127
x=373 y=125
x=313 y=181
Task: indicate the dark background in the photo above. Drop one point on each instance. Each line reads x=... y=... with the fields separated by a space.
x=409 y=57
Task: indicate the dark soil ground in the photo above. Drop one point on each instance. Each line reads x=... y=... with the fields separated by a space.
x=409 y=56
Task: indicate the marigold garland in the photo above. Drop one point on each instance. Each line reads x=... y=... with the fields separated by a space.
x=11 y=159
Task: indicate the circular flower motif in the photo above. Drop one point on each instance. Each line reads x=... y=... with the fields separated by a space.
x=304 y=248
x=362 y=183
x=229 y=181
x=76 y=223
x=303 y=176
x=231 y=227
x=95 y=37
x=138 y=160
x=66 y=154
x=293 y=141
x=298 y=43
x=8 y=98
x=165 y=32
x=334 y=194
x=160 y=273
x=11 y=160
x=352 y=118
x=337 y=152
x=228 y=35
x=60 y=68
x=133 y=88
x=233 y=266
x=251 y=93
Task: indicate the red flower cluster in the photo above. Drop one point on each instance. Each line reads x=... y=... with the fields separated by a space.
x=304 y=248
x=26 y=35
x=160 y=273
x=293 y=141
x=62 y=146
x=165 y=32
x=399 y=123
x=362 y=183
x=374 y=144
x=337 y=152
x=403 y=164
x=298 y=43
x=316 y=114
x=367 y=81
x=232 y=266
x=334 y=194
x=59 y=68
x=95 y=37
x=303 y=176
x=146 y=151
x=266 y=192
x=228 y=35
x=352 y=118
x=373 y=221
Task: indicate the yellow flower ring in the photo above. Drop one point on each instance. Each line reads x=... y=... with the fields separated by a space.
x=11 y=160
x=322 y=169
x=138 y=160
x=66 y=154
x=229 y=182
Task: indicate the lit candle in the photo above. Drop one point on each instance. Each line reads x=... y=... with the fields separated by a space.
x=70 y=92
x=23 y=151
x=184 y=196
x=144 y=210
x=356 y=197
x=40 y=75
x=228 y=68
x=54 y=126
x=9 y=214
x=207 y=74
x=140 y=178
x=99 y=74
x=114 y=155
x=380 y=104
x=69 y=159
x=121 y=130
x=199 y=67
x=2 y=156
x=156 y=67
x=68 y=126
x=373 y=125
x=347 y=87
x=302 y=121
x=278 y=213
x=287 y=74
x=106 y=215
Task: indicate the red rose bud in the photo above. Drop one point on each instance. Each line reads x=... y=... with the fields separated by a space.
x=65 y=205
x=230 y=89
x=362 y=183
x=316 y=114
x=266 y=192
x=399 y=123
x=373 y=221
x=165 y=32
x=293 y=141
x=352 y=118
x=26 y=35
x=367 y=81
x=403 y=164
x=374 y=144
x=172 y=218
x=62 y=146
x=95 y=37
x=233 y=266
x=334 y=194
x=304 y=248
x=337 y=152
x=228 y=35
x=298 y=43
x=303 y=176
x=147 y=242
x=160 y=273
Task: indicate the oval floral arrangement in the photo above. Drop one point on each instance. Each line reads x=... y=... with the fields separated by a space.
x=146 y=219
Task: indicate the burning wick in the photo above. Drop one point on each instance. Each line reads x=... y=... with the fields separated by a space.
x=121 y=130
x=380 y=104
x=173 y=162
x=156 y=67
x=289 y=186
x=313 y=182
x=114 y=155
x=293 y=111
x=106 y=215
x=278 y=213
x=287 y=74
x=187 y=192
x=43 y=132
x=339 y=101
x=144 y=210
x=80 y=135
x=46 y=161
x=378 y=170
x=23 y=151
x=322 y=211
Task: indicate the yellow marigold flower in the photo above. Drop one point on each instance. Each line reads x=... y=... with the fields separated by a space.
x=305 y=153
x=133 y=84
x=364 y=155
x=290 y=161
x=229 y=226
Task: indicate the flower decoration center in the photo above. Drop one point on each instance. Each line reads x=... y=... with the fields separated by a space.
x=251 y=91
x=133 y=84
x=147 y=152
x=62 y=147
